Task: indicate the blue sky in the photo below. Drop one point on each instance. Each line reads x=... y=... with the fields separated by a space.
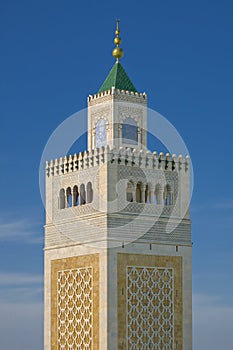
x=53 y=55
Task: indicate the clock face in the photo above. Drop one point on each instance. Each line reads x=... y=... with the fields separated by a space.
x=100 y=136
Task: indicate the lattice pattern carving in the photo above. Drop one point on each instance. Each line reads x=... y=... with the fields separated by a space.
x=150 y=308
x=75 y=316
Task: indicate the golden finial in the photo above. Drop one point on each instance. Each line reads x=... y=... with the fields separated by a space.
x=117 y=52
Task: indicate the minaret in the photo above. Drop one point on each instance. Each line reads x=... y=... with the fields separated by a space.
x=118 y=271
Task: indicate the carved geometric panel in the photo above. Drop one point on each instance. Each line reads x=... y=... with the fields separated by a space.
x=75 y=299
x=150 y=302
x=150 y=308
x=75 y=303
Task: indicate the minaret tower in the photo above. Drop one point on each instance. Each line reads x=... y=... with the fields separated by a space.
x=118 y=271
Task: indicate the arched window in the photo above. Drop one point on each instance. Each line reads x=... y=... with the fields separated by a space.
x=130 y=131
x=100 y=134
x=82 y=195
x=89 y=192
x=147 y=195
x=129 y=192
x=61 y=204
x=158 y=194
x=69 y=197
x=169 y=199
x=75 y=196
x=167 y=195
x=139 y=192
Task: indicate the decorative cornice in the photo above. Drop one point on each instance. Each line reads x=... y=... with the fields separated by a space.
x=126 y=156
x=117 y=95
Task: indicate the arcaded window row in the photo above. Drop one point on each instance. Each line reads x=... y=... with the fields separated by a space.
x=78 y=195
x=141 y=193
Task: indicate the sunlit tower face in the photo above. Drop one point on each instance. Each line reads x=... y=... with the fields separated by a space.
x=115 y=278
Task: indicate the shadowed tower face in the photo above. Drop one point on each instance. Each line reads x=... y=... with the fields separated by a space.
x=118 y=271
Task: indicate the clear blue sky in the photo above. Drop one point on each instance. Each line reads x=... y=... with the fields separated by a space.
x=53 y=54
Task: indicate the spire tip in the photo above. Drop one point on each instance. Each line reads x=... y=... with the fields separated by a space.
x=117 y=52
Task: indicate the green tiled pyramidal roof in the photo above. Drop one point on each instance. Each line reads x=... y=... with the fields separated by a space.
x=118 y=78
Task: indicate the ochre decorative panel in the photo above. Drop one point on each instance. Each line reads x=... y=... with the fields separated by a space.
x=149 y=302
x=75 y=303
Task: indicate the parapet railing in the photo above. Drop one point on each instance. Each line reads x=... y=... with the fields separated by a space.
x=126 y=156
x=114 y=91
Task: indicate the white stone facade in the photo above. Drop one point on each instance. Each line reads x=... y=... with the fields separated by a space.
x=116 y=200
x=114 y=106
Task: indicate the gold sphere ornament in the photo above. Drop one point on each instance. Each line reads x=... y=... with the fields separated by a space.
x=117 y=52
x=117 y=41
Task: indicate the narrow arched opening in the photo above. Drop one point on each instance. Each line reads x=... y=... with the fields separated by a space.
x=130 y=192
x=68 y=197
x=89 y=192
x=61 y=201
x=147 y=194
x=75 y=196
x=168 y=195
x=158 y=194
x=139 y=192
x=82 y=194
x=130 y=131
